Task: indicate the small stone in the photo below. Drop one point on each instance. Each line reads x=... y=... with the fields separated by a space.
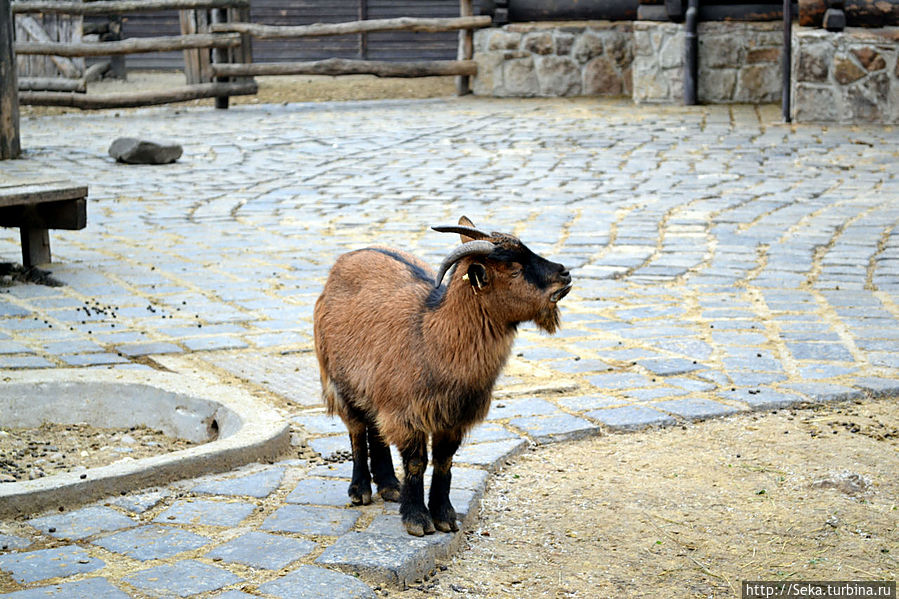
x=845 y=70
x=131 y=150
x=870 y=59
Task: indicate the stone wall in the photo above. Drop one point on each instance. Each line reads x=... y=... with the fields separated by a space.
x=738 y=62
x=848 y=77
x=590 y=58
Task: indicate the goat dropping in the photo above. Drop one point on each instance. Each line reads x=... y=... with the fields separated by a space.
x=405 y=357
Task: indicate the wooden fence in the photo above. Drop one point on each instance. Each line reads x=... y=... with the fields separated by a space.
x=216 y=40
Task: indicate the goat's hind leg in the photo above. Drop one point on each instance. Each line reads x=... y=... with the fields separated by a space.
x=360 y=485
x=444 y=446
x=382 y=466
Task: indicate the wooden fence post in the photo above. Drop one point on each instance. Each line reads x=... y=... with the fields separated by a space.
x=466 y=48
x=9 y=99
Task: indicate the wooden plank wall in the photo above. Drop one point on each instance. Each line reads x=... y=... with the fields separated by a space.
x=380 y=46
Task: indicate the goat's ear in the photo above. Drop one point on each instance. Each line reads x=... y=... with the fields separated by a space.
x=466 y=222
x=477 y=276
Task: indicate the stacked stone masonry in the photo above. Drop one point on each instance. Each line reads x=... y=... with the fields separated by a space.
x=848 y=77
x=554 y=59
x=738 y=62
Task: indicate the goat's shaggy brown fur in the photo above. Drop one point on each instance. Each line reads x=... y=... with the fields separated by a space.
x=403 y=360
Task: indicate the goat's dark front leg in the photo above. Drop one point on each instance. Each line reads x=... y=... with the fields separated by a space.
x=415 y=515
x=382 y=466
x=443 y=514
x=360 y=485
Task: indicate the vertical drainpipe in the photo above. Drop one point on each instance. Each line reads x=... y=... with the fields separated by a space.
x=787 y=60
x=691 y=52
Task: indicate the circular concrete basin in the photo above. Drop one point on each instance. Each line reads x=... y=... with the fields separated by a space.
x=233 y=427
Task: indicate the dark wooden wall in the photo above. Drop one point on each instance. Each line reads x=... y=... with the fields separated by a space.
x=397 y=45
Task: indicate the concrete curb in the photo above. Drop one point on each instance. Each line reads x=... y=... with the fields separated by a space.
x=250 y=431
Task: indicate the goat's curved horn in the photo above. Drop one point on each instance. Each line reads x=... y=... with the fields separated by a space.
x=463 y=230
x=472 y=248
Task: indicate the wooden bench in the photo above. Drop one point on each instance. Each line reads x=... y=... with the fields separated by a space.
x=35 y=208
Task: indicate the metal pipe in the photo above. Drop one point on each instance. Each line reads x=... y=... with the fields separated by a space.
x=691 y=52
x=787 y=60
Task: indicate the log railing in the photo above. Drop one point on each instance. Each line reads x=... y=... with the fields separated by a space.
x=201 y=48
x=216 y=40
x=463 y=67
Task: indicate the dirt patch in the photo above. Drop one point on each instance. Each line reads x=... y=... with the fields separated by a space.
x=31 y=453
x=690 y=512
x=277 y=90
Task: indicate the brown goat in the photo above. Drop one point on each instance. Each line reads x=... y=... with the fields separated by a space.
x=403 y=357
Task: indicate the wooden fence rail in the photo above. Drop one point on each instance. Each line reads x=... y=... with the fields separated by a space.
x=135 y=45
x=341 y=66
x=113 y=7
x=352 y=27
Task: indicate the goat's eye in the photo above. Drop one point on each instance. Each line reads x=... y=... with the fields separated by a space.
x=515 y=273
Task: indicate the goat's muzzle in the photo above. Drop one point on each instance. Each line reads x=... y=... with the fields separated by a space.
x=565 y=280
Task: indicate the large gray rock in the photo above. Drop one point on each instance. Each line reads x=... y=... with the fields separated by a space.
x=137 y=151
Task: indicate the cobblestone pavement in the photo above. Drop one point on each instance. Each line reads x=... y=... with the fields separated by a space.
x=722 y=262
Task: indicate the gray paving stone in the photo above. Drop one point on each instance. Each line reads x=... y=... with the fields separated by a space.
x=619 y=380
x=90 y=588
x=489 y=455
x=695 y=409
x=148 y=348
x=258 y=484
x=96 y=359
x=552 y=429
x=11 y=542
x=32 y=566
x=141 y=502
x=820 y=351
x=311 y=520
x=343 y=470
x=763 y=399
x=181 y=579
x=335 y=447
x=825 y=371
x=214 y=343
x=670 y=366
x=384 y=559
x=320 y=424
x=510 y=408
x=587 y=402
x=152 y=542
x=488 y=431
x=629 y=418
x=744 y=378
x=653 y=393
x=22 y=362
x=826 y=391
x=206 y=513
x=311 y=582
x=318 y=491
x=82 y=523
x=879 y=387
x=391 y=525
x=263 y=550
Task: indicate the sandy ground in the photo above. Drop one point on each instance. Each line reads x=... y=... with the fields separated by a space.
x=276 y=90
x=806 y=494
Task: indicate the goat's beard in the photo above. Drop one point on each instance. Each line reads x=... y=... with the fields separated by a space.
x=548 y=319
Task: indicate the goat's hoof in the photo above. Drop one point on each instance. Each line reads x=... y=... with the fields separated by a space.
x=389 y=493
x=445 y=519
x=360 y=495
x=419 y=524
